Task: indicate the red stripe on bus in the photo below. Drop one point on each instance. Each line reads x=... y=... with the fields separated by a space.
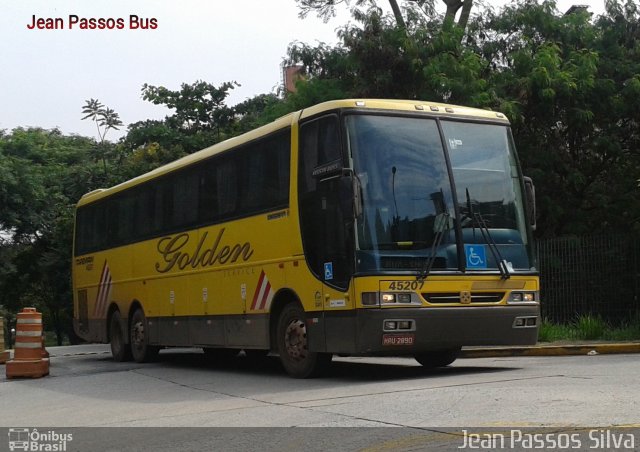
x=257 y=292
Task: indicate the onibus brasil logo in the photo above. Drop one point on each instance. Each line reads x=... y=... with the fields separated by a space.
x=33 y=440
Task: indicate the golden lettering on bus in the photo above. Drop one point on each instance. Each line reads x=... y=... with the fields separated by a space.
x=172 y=250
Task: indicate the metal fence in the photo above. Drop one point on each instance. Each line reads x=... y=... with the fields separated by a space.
x=597 y=275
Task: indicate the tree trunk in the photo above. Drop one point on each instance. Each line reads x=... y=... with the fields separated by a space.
x=464 y=15
x=452 y=9
x=397 y=13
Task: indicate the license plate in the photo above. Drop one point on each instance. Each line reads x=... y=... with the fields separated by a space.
x=398 y=339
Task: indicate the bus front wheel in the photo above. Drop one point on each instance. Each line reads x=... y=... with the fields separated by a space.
x=140 y=349
x=293 y=345
x=119 y=347
x=438 y=358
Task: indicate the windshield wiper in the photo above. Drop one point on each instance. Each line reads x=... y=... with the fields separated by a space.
x=441 y=226
x=477 y=218
x=493 y=247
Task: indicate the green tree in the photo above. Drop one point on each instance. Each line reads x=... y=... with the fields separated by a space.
x=326 y=9
x=198 y=107
x=569 y=84
x=200 y=118
x=42 y=175
x=376 y=59
x=105 y=120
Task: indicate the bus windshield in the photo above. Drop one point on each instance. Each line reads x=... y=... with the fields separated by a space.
x=410 y=216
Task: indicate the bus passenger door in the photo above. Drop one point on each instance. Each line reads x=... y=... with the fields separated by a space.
x=326 y=235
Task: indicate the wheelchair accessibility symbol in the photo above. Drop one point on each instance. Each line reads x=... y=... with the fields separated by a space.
x=328 y=271
x=476 y=256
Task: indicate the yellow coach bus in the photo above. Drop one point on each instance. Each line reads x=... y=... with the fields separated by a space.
x=358 y=227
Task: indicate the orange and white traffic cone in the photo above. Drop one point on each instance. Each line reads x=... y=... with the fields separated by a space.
x=28 y=350
x=4 y=355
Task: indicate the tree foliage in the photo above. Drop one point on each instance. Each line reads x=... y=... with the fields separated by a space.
x=198 y=107
x=200 y=117
x=326 y=9
x=569 y=83
x=42 y=175
x=376 y=59
x=105 y=120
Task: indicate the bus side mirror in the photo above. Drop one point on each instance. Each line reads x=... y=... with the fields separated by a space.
x=350 y=195
x=530 y=195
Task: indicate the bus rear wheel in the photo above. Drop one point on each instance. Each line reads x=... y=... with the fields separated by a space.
x=140 y=349
x=438 y=358
x=293 y=345
x=120 y=350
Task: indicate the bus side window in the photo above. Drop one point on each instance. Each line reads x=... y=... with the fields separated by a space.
x=227 y=187
x=208 y=198
x=144 y=208
x=253 y=161
x=185 y=199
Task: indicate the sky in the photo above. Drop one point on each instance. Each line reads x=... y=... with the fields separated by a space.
x=47 y=75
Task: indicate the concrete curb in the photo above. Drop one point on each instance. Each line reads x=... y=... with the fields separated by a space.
x=552 y=350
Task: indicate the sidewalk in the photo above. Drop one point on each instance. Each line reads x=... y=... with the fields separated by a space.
x=553 y=349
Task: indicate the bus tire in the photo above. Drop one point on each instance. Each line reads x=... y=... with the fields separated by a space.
x=438 y=358
x=292 y=344
x=120 y=350
x=140 y=349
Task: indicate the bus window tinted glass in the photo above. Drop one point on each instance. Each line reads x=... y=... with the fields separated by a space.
x=240 y=182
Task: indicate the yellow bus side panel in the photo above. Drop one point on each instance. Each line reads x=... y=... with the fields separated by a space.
x=232 y=268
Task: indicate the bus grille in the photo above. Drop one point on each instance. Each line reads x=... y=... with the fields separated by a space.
x=455 y=297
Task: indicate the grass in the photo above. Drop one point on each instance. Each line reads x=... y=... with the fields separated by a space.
x=588 y=328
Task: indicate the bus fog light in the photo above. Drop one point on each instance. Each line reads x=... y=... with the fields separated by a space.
x=516 y=296
x=525 y=322
x=388 y=298
x=390 y=325
x=404 y=325
x=404 y=298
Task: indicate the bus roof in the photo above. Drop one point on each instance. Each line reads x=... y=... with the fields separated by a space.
x=433 y=108
x=404 y=105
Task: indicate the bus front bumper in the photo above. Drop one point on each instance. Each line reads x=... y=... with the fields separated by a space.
x=406 y=331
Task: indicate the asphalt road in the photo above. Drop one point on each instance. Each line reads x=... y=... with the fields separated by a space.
x=184 y=389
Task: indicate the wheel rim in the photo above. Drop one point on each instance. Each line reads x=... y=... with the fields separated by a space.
x=295 y=340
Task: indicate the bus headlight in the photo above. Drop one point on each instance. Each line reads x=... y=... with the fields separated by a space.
x=388 y=298
x=522 y=297
x=396 y=298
